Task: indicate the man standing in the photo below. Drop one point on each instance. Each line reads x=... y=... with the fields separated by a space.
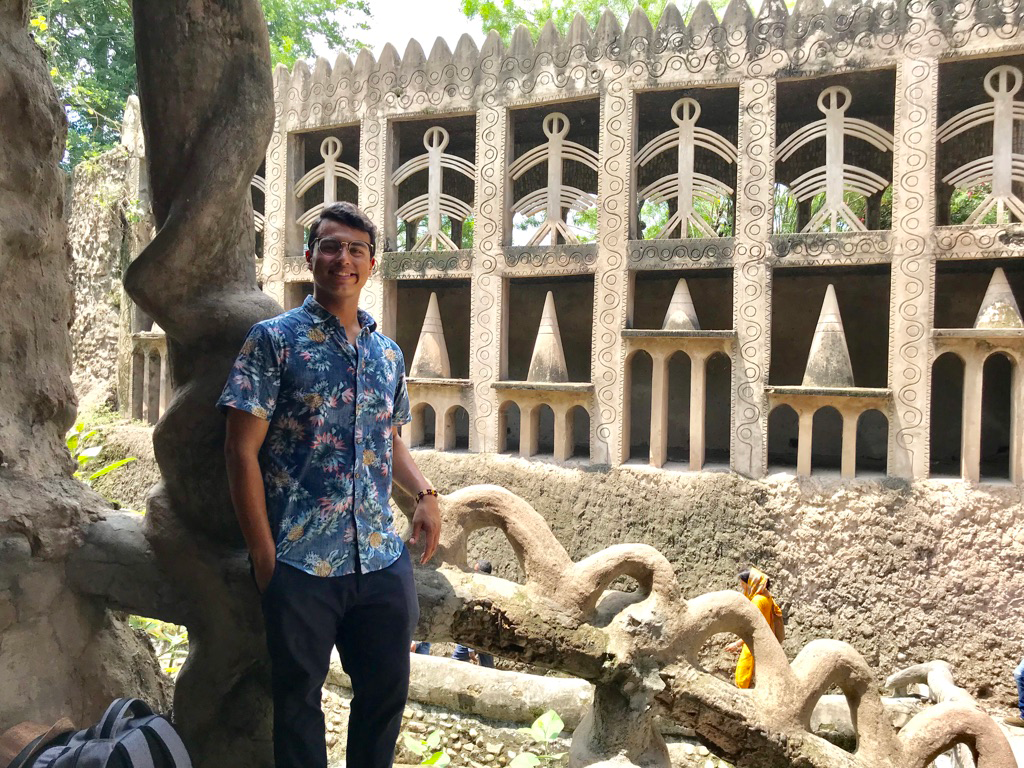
x=312 y=402
x=1018 y=677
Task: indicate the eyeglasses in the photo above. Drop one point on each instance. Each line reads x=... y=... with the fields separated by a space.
x=329 y=246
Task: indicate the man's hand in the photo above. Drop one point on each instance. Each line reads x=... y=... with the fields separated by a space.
x=426 y=526
x=264 y=563
x=735 y=647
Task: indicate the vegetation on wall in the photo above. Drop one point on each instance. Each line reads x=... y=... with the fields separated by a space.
x=91 y=51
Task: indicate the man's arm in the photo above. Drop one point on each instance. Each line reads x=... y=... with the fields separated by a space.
x=426 y=520
x=245 y=435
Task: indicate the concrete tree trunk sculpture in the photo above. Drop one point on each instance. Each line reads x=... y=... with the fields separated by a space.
x=207 y=112
x=49 y=666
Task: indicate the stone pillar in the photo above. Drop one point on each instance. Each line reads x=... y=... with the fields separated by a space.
x=659 y=410
x=849 y=456
x=913 y=270
x=147 y=383
x=970 y=434
x=804 y=443
x=376 y=140
x=563 y=433
x=752 y=311
x=611 y=281
x=529 y=426
x=282 y=236
x=444 y=432
x=698 y=387
x=165 y=380
x=414 y=431
x=1017 y=425
x=488 y=348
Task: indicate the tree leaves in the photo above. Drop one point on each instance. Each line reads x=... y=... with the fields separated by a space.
x=90 y=47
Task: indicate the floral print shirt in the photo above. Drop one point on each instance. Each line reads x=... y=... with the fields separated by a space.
x=326 y=459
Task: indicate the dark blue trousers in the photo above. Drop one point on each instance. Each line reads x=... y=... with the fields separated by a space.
x=370 y=619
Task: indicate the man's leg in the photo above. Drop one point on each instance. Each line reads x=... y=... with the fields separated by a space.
x=374 y=645
x=300 y=618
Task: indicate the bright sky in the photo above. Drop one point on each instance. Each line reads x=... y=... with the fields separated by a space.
x=397 y=21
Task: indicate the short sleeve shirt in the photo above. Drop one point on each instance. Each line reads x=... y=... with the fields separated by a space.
x=326 y=459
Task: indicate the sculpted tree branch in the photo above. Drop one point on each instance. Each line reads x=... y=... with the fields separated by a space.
x=207 y=111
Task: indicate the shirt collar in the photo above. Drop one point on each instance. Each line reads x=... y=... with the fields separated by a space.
x=318 y=315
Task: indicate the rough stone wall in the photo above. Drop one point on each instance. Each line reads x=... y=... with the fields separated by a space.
x=905 y=573
x=102 y=242
x=59 y=654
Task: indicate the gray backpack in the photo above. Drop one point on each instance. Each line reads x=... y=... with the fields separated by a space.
x=129 y=735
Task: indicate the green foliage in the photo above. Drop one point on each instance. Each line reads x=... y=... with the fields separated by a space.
x=429 y=750
x=504 y=16
x=84 y=445
x=170 y=642
x=91 y=51
x=544 y=731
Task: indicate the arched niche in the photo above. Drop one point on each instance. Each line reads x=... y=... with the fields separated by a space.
x=423 y=426
x=579 y=420
x=996 y=417
x=826 y=439
x=456 y=429
x=783 y=436
x=679 y=368
x=545 y=420
x=639 y=370
x=946 y=432
x=508 y=427
x=872 y=442
x=718 y=409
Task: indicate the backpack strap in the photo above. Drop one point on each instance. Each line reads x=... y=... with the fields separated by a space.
x=160 y=734
x=118 y=713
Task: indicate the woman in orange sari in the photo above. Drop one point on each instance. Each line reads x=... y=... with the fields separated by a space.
x=755 y=586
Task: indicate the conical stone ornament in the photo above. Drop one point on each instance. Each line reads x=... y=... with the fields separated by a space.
x=828 y=364
x=548 y=361
x=999 y=309
x=681 y=315
x=431 y=358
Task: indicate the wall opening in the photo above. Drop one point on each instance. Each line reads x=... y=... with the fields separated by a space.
x=946 y=433
x=579 y=420
x=710 y=289
x=340 y=142
x=528 y=127
x=872 y=442
x=545 y=430
x=508 y=428
x=138 y=383
x=717 y=421
x=962 y=86
x=995 y=417
x=800 y=170
x=960 y=288
x=826 y=439
x=453 y=302
x=783 y=436
x=457 y=142
x=713 y=202
x=639 y=371
x=574 y=307
x=679 y=408
x=863 y=297
x=423 y=427
x=154 y=387
x=457 y=423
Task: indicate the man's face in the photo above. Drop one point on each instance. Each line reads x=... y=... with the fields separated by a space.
x=341 y=274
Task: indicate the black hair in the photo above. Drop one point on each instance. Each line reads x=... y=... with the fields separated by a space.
x=745 y=578
x=348 y=214
x=483 y=566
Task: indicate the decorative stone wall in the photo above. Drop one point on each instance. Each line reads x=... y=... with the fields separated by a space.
x=871 y=95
